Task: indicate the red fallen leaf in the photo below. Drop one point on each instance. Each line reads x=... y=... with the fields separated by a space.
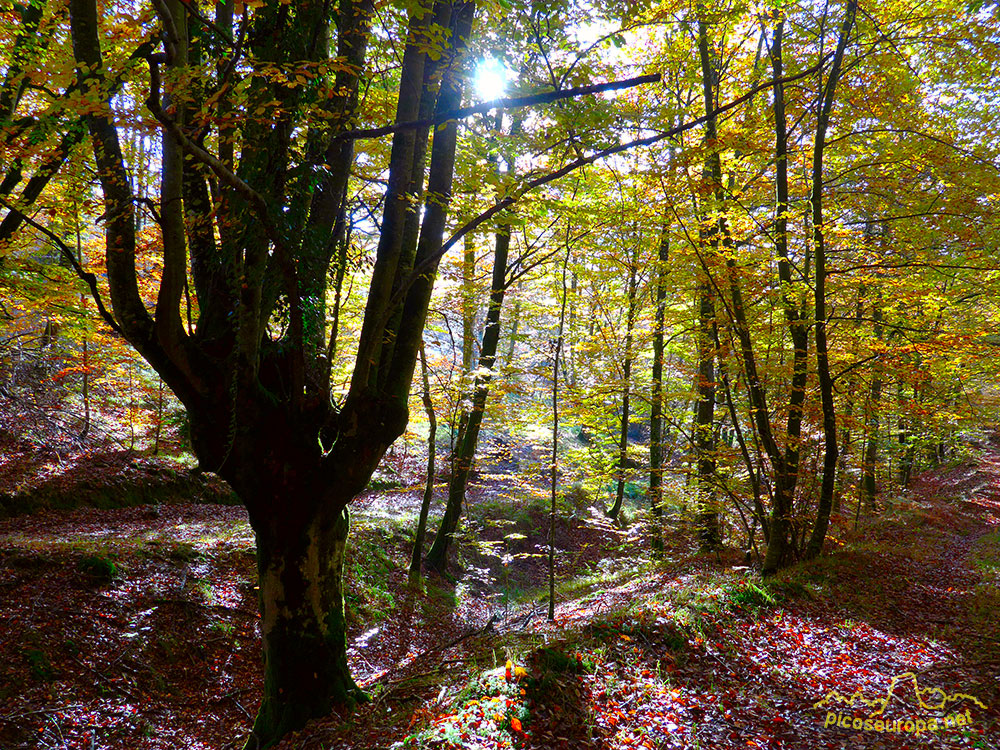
x=515 y=724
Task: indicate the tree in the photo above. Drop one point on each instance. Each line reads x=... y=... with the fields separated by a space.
x=471 y=418
x=425 y=503
x=256 y=154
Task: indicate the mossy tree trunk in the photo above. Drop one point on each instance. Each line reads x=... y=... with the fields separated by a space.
x=300 y=571
x=259 y=243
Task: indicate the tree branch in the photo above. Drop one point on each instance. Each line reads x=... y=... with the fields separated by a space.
x=597 y=156
x=429 y=263
x=483 y=107
x=89 y=278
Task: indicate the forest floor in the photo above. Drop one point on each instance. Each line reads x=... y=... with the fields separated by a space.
x=137 y=628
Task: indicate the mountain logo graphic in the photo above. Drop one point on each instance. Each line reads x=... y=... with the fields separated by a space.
x=929 y=699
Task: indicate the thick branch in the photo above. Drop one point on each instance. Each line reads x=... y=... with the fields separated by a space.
x=483 y=107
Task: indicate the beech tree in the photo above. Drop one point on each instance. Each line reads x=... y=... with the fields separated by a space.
x=255 y=163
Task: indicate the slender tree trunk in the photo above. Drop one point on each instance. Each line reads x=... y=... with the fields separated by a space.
x=869 y=457
x=471 y=420
x=830 y=448
x=554 y=464
x=86 y=389
x=845 y=447
x=781 y=544
x=159 y=417
x=656 y=396
x=515 y=322
x=706 y=514
x=907 y=438
x=626 y=384
x=847 y=434
x=425 y=503
x=570 y=366
x=85 y=431
x=468 y=304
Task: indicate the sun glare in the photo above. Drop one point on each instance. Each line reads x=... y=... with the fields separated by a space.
x=491 y=79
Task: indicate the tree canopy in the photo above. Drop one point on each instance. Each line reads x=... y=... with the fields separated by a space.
x=765 y=234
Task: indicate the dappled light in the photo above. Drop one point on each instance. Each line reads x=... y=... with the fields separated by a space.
x=158 y=648
x=491 y=375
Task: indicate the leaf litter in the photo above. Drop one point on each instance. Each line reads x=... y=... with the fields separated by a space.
x=157 y=646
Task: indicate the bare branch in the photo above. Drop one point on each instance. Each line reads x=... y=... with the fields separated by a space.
x=89 y=278
x=510 y=103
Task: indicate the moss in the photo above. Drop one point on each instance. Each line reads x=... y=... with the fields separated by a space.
x=39 y=664
x=101 y=569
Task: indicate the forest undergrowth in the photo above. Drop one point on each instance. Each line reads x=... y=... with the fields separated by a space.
x=137 y=628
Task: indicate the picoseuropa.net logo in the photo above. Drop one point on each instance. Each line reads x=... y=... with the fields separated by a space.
x=931 y=709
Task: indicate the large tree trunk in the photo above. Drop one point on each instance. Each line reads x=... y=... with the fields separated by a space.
x=300 y=569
